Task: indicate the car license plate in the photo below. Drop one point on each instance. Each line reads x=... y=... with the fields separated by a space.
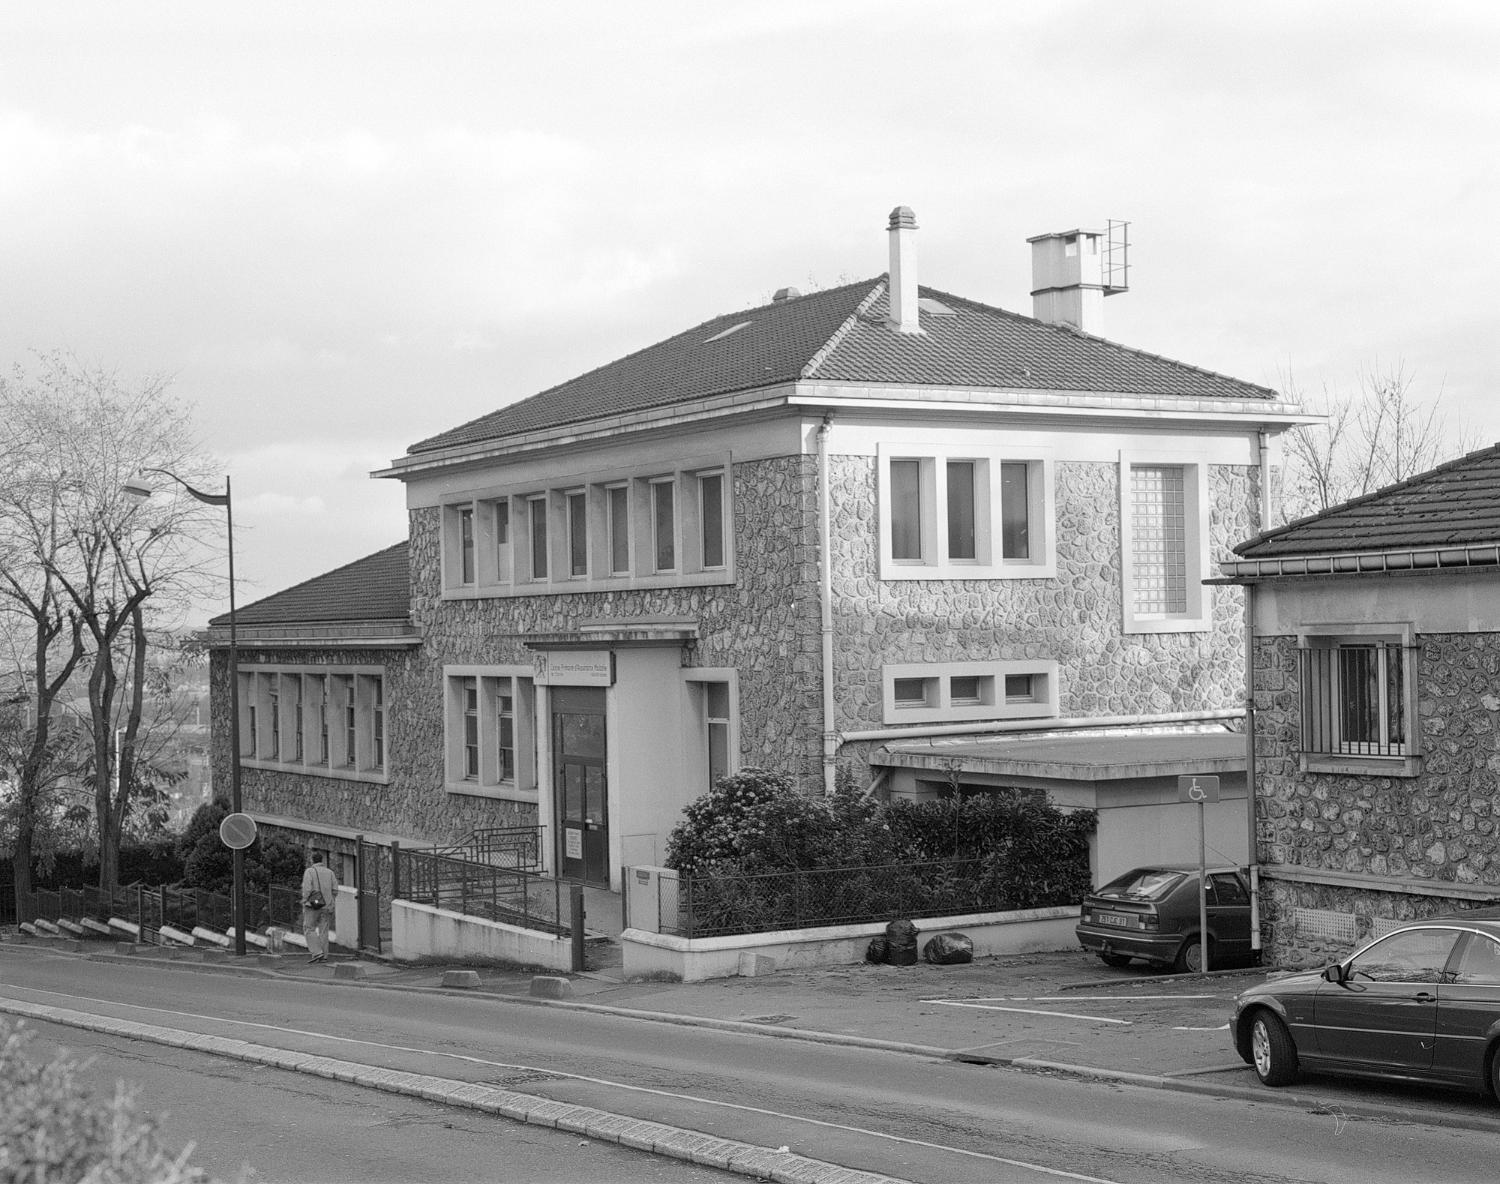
x=1113 y=919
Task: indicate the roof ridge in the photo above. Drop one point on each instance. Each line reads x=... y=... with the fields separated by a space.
x=1105 y=341
x=701 y=326
x=1421 y=478
x=881 y=282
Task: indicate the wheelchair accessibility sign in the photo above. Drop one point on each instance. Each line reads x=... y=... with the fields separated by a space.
x=1197 y=788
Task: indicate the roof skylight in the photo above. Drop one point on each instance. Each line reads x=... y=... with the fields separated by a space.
x=726 y=332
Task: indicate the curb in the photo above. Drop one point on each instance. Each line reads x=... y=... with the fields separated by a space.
x=730 y=1155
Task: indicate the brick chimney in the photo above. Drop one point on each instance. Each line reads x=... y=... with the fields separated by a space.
x=902 y=232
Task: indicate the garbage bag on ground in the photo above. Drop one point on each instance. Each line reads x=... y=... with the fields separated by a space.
x=949 y=949
x=901 y=943
x=877 y=950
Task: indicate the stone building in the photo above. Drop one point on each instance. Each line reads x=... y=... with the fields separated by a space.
x=1376 y=687
x=879 y=527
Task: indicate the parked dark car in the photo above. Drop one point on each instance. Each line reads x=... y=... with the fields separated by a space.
x=1151 y=913
x=1421 y=1003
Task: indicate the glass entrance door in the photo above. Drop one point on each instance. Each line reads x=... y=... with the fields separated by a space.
x=578 y=754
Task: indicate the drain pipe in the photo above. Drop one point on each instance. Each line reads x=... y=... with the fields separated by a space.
x=1253 y=845
x=825 y=557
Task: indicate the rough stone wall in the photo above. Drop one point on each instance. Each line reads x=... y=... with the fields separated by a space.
x=1075 y=618
x=765 y=624
x=1434 y=829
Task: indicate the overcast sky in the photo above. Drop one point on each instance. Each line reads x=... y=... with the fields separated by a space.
x=344 y=227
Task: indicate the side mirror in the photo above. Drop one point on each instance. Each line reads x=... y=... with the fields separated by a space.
x=1334 y=973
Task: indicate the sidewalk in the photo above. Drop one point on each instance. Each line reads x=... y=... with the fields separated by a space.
x=1059 y=1012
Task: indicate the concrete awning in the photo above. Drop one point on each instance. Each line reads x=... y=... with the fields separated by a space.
x=1071 y=757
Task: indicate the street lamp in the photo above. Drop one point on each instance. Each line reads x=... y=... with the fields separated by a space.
x=138 y=491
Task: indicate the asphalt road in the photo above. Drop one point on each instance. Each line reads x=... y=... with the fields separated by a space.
x=911 y=1117
x=262 y=1125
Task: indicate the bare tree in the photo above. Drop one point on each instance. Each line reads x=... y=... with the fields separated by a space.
x=109 y=568
x=1376 y=437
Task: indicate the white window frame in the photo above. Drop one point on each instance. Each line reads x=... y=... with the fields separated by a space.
x=1197 y=617
x=490 y=683
x=507 y=569
x=939 y=705
x=697 y=680
x=1405 y=757
x=304 y=697
x=988 y=562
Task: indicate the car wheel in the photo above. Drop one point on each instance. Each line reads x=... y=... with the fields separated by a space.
x=1271 y=1050
x=1115 y=959
x=1190 y=957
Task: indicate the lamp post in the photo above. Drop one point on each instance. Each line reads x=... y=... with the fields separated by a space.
x=138 y=490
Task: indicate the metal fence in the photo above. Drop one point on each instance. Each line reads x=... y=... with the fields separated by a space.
x=516 y=847
x=713 y=906
x=154 y=907
x=517 y=897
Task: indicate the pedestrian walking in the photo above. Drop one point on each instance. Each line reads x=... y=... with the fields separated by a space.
x=318 y=887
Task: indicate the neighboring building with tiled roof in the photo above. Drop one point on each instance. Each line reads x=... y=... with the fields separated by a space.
x=792 y=536
x=1376 y=684
x=1454 y=507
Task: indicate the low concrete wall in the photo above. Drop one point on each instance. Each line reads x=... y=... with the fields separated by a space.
x=419 y=931
x=697 y=959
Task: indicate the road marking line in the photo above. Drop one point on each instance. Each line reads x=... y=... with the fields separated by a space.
x=1074 y=998
x=1067 y=1015
x=1218 y=1028
x=22 y=1007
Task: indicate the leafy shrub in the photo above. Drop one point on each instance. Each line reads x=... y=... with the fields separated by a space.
x=52 y=1131
x=895 y=860
x=208 y=864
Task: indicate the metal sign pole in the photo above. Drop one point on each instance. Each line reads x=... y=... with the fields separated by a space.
x=1202 y=891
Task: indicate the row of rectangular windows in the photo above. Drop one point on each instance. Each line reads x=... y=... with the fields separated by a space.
x=313 y=719
x=640 y=527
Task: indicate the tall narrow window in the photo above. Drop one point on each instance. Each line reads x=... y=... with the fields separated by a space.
x=377 y=723
x=471 y=729
x=536 y=510
x=350 y=720
x=250 y=741
x=1015 y=510
x=906 y=509
x=501 y=511
x=294 y=686
x=578 y=534
x=664 y=523
x=505 y=731
x=466 y=544
x=1159 y=542
x=273 y=713
x=323 y=719
x=711 y=515
x=961 y=534
x=716 y=704
x=619 y=529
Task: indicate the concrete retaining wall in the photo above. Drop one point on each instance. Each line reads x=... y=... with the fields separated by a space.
x=419 y=932
x=697 y=959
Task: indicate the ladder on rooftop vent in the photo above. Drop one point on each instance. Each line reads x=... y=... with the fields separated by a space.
x=1116 y=257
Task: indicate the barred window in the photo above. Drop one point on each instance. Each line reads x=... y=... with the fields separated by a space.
x=1354 y=699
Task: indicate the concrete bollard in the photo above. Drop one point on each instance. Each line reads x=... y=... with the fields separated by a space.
x=461 y=978
x=350 y=970
x=551 y=986
x=755 y=964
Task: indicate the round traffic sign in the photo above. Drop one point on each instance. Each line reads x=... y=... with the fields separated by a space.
x=237 y=831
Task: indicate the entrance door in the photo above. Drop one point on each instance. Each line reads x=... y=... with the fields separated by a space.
x=578 y=751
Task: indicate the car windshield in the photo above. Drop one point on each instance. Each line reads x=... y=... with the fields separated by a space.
x=1144 y=884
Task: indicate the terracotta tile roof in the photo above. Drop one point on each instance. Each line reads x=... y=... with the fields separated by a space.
x=1456 y=504
x=375 y=588
x=840 y=335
